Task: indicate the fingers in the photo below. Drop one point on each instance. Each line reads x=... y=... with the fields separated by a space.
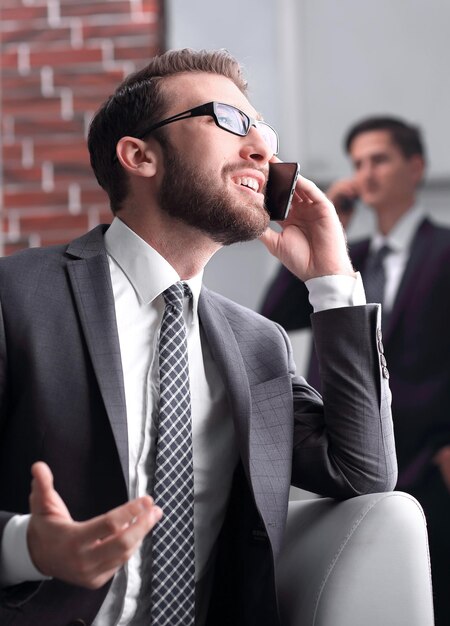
x=83 y=553
x=89 y=553
x=344 y=187
x=44 y=500
x=42 y=477
x=270 y=239
x=113 y=551
x=122 y=531
x=309 y=191
x=136 y=514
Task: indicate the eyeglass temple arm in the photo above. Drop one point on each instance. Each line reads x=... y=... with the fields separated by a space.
x=179 y=116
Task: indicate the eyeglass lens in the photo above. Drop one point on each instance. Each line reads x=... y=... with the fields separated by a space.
x=232 y=119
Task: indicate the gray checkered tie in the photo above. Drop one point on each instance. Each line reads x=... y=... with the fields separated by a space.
x=173 y=568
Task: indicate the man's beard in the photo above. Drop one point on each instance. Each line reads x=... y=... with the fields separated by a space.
x=197 y=200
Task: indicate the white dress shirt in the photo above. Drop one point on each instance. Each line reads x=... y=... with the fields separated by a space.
x=399 y=240
x=139 y=276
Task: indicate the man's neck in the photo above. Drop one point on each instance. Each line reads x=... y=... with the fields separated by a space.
x=184 y=247
x=388 y=216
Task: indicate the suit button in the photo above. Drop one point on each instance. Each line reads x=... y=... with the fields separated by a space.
x=385 y=372
x=380 y=347
x=383 y=360
x=379 y=334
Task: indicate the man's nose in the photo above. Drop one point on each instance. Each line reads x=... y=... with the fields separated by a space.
x=255 y=147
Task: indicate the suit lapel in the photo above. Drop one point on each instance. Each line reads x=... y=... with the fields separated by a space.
x=419 y=248
x=225 y=351
x=249 y=407
x=91 y=283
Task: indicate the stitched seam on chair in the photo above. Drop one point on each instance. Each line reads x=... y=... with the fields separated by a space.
x=347 y=539
x=430 y=580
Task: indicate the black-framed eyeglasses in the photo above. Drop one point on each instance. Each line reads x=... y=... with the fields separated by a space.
x=228 y=118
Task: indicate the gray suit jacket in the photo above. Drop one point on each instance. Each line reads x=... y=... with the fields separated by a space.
x=62 y=401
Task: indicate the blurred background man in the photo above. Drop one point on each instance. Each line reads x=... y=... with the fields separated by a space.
x=406 y=266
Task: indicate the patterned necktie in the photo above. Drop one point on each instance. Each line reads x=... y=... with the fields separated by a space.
x=173 y=559
x=374 y=275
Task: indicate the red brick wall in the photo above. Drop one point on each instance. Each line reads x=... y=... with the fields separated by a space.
x=59 y=60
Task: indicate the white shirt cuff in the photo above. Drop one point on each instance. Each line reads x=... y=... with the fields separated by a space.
x=332 y=292
x=16 y=565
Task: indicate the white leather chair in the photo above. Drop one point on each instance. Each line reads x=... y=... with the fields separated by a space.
x=359 y=562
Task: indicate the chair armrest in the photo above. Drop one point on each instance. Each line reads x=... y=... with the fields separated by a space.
x=360 y=561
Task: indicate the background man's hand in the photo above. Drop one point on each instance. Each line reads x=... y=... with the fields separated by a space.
x=83 y=553
x=343 y=194
x=312 y=241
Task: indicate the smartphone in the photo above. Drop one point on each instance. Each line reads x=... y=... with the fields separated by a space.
x=345 y=204
x=280 y=189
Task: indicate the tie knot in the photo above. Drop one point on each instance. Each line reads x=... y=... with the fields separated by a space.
x=174 y=295
x=377 y=258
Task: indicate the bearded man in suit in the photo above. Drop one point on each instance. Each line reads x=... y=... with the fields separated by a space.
x=184 y=158
x=388 y=158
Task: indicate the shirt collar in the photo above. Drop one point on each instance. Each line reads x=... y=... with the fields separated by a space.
x=400 y=237
x=148 y=271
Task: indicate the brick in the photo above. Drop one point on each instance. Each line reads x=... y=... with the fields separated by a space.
x=117 y=31
x=90 y=103
x=17 y=246
x=87 y=80
x=49 y=126
x=80 y=9
x=63 y=174
x=66 y=56
x=34 y=106
x=33 y=35
x=141 y=53
x=104 y=217
x=151 y=6
x=10 y=59
x=34 y=199
x=12 y=153
x=13 y=84
x=55 y=221
x=96 y=197
x=71 y=152
x=16 y=174
x=56 y=238
x=82 y=173
x=22 y=13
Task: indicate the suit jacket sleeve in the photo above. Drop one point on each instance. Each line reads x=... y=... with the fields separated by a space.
x=345 y=446
x=286 y=301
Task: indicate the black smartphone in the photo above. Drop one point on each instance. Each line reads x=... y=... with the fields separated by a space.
x=345 y=204
x=280 y=189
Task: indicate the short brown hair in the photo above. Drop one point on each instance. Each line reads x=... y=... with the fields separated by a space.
x=405 y=136
x=139 y=102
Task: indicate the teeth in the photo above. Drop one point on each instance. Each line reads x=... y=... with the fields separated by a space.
x=248 y=182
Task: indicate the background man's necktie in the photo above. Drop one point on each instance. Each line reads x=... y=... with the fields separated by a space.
x=374 y=275
x=173 y=558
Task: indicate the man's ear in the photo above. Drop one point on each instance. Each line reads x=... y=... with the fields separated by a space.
x=417 y=165
x=136 y=157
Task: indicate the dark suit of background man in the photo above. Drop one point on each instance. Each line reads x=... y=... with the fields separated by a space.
x=388 y=160
x=183 y=156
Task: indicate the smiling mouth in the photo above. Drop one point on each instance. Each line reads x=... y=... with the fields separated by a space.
x=250 y=183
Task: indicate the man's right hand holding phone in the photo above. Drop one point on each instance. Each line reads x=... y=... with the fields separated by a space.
x=311 y=243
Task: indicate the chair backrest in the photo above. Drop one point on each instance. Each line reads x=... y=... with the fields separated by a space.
x=358 y=562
